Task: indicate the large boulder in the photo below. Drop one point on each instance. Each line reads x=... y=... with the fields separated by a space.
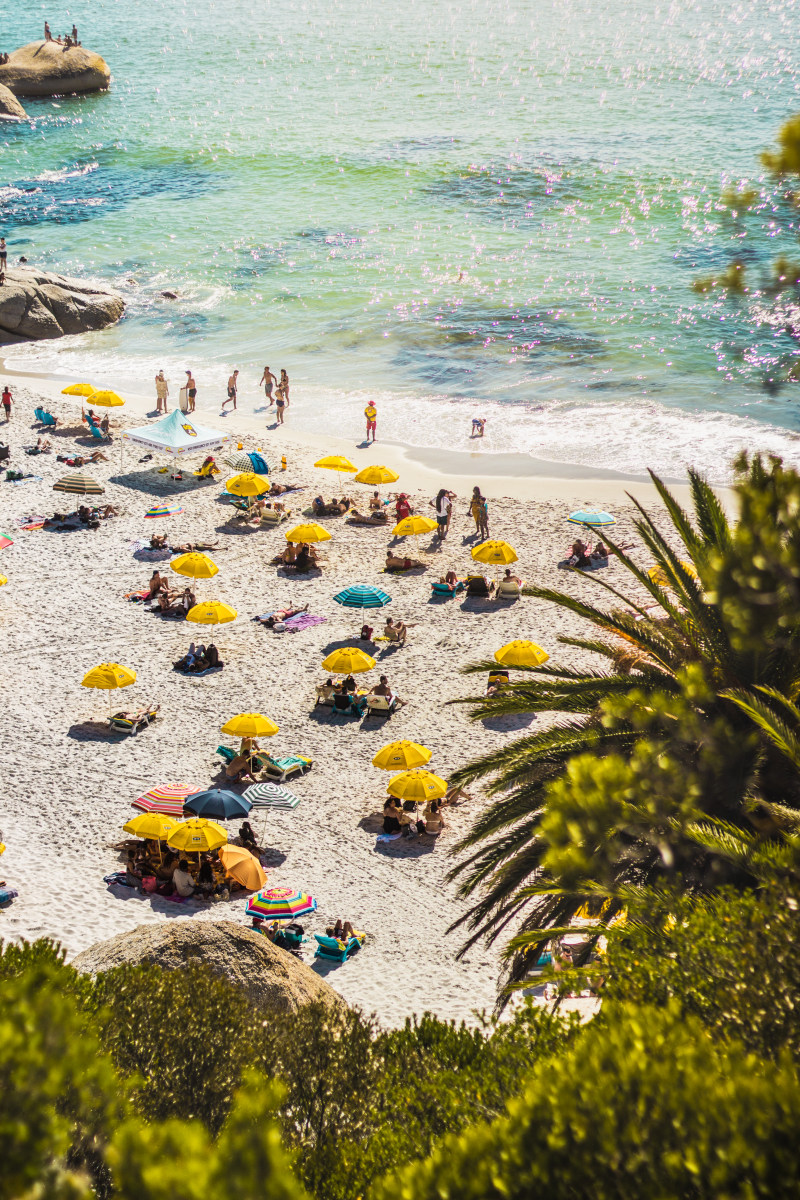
x=273 y=979
x=10 y=105
x=47 y=69
x=38 y=304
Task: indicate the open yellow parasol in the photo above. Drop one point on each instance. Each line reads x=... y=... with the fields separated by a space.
x=244 y=867
x=348 y=660
x=413 y=526
x=377 y=476
x=109 y=676
x=248 y=725
x=3 y=580
x=79 y=389
x=494 y=552
x=310 y=532
x=337 y=463
x=406 y=755
x=248 y=484
x=151 y=825
x=197 y=835
x=211 y=612
x=196 y=566
x=417 y=785
x=521 y=654
x=105 y=399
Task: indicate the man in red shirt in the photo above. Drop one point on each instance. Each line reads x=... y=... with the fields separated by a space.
x=6 y=401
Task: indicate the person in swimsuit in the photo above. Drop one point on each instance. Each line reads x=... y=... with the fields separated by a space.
x=48 y=37
x=281 y=401
x=285 y=385
x=3 y=255
x=191 y=391
x=268 y=379
x=231 y=390
x=162 y=392
x=478 y=424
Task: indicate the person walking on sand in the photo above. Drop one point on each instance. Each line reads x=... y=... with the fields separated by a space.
x=7 y=402
x=444 y=508
x=480 y=513
x=162 y=391
x=371 y=413
x=191 y=392
x=232 y=384
x=268 y=379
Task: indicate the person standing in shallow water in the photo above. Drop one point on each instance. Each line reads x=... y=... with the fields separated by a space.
x=371 y=413
x=281 y=402
x=268 y=379
x=191 y=391
x=232 y=385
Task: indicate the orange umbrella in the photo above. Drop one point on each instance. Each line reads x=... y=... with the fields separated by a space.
x=243 y=866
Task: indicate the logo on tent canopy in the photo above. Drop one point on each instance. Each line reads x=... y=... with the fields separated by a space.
x=189 y=430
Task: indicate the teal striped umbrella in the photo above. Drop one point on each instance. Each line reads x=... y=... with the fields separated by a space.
x=586 y=517
x=362 y=595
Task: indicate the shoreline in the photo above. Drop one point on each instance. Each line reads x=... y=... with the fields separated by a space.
x=500 y=474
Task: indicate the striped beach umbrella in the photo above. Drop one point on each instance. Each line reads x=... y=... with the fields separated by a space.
x=79 y=485
x=162 y=510
x=248 y=462
x=5 y=540
x=166 y=798
x=270 y=795
x=362 y=595
x=280 y=904
x=587 y=517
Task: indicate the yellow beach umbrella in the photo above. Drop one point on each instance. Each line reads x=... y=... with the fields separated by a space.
x=151 y=825
x=336 y=462
x=197 y=836
x=79 y=389
x=377 y=476
x=3 y=580
x=521 y=654
x=659 y=576
x=105 y=399
x=402 y=754
x=248 y=725
x=109 y=676
x=494 y=552
x=310 y=532
x=348 y=660
x=196 y=566
x=417 y=785
x=211 y=612
x=248 y=484
x=413 y=526
x=244 y=867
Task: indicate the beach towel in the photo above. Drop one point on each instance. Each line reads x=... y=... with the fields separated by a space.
x=31 y=522
x=388 y=837
x=7 y=895
x=137 y=596
x=118 y=877
x=303 y=621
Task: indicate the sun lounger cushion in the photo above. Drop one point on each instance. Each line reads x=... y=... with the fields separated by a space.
x=336 y=949
x=444 y=589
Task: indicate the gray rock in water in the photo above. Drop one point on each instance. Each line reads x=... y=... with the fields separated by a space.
x=273 y=979
x=10 y=105
x=38 y=304
x=47 y=69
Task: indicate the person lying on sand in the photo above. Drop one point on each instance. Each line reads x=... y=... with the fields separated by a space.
x=600 y=553
x=579 y=554
x=373 y=518
x=280 y=614
x=158 y=541
x=456 y=795
x=395 y=563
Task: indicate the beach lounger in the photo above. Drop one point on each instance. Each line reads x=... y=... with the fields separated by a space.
x=132 y=722
x=381 y=706
x=46 y=418
x=276 y=769
x=477 y=586
x=446 y=589
x=98 y=434
x=271 y=516
x=353 y=706
x=334 y=949
x=509 y=589
x=324 y=695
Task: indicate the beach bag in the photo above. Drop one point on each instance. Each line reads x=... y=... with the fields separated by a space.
x=279 y=627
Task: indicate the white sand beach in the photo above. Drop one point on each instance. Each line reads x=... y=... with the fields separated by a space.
x=69 y=783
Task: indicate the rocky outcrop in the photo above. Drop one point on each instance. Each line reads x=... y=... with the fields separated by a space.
x=10 y=105
x=37 y=304
x=274 y=980
x=47 y=69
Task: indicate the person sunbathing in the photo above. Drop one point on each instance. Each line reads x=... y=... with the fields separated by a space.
x=306 y=559
x=455 y=795
x=375 y=502
x=382 y=688
x=239 y=768
x=280 y=614
x=600 y=553
x=190 y=658
x=157 y=542
x=395 y=563
x=157 y=584
x=343 y=930
x=579 y=554
x=391 y=815
x=288 y=557
x=248 y=838
x=395 y=631
x=509 y=578
x=434 y=821
x=373 y=518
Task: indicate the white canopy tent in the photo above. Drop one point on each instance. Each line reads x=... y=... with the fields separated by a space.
x=176 y=435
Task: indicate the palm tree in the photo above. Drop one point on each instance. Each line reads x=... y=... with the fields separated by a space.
x=656 y=653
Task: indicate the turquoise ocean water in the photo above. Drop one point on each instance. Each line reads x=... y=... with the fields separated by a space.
x=458 y=207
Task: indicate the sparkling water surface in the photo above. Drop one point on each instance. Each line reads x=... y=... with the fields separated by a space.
x=457 y=207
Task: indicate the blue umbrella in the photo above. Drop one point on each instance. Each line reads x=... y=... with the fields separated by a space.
x=363 y=595
x=218 y=804
x=584 y=517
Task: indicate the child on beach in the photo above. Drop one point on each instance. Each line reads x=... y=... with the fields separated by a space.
x=478 y=425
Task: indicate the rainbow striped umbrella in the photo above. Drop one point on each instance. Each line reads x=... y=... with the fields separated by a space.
x=280 y=904
x=166 y=798
x=162 y=510
x=5 y=540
